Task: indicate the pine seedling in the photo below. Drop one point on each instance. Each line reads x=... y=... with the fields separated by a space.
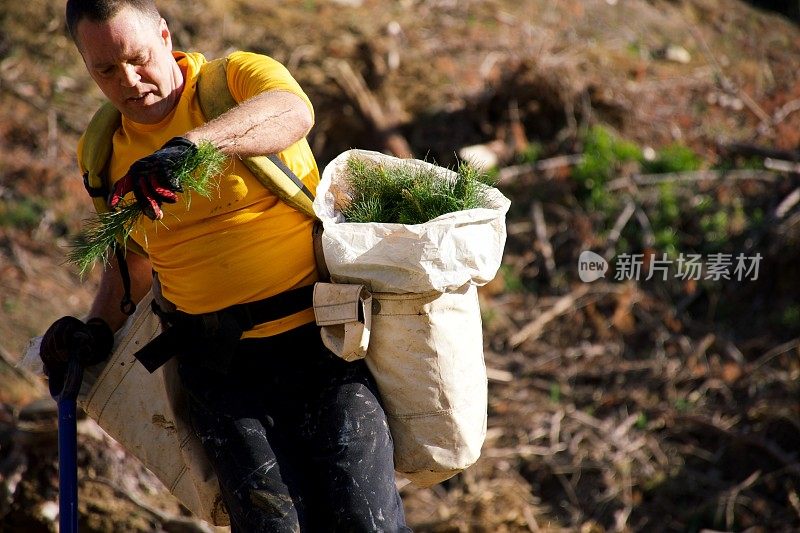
x=410 y=194
x=102 y=234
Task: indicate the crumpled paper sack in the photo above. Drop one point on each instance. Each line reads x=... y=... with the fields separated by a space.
x=443 y=254
x=30 y=360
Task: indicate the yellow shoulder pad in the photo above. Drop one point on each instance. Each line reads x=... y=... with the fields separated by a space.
x=97 y=148
x=214 y=97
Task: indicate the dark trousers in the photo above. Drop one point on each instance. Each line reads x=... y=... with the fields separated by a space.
x=296 y=436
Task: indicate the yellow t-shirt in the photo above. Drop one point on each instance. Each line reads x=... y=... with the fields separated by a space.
x=243 y=244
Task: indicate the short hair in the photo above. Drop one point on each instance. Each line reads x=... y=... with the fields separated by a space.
x=105 y=10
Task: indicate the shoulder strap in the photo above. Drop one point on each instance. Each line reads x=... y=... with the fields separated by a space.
x=96 y=153
x=215 y=98
x=95 y=157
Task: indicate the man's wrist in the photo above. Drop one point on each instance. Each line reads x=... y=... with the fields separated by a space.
x=193 y=137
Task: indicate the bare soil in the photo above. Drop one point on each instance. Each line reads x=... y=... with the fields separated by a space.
x=614 y=406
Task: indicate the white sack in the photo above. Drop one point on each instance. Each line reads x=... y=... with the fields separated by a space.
x=146 y=413
x=440 y=255
x=426 y=354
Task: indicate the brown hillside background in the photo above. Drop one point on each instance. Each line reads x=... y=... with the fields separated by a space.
x=649 y=405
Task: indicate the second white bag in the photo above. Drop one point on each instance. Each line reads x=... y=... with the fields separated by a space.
x=426 y=354
x=146 y=413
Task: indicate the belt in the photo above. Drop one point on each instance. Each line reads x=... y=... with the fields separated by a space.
x=215 y=334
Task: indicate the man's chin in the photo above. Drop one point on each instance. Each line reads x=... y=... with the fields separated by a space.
x=142 y=111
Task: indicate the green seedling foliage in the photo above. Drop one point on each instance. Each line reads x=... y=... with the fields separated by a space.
x=530 y=154
x=715 y=229
x=673 y=158
x=790 y=317
x=511 y=279
x=751 y=163
x=603 y=158
x=410 y=194
x=668 y=241
x=757 y=217
x=703 y=203
x=21 y=214
x=602 y=155
x=555 y=392
x=667 y=219
x=102 y=234
x=669 y=210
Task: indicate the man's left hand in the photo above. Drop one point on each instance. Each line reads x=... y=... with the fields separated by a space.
x=154 y=179
x=68 y=338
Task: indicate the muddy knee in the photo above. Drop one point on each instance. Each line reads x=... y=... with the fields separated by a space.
x=270 y=503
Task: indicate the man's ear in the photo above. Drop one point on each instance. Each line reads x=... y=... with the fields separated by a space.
x=166 y=36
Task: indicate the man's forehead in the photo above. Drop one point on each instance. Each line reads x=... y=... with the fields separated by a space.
x=127 y=20
x=126 y=32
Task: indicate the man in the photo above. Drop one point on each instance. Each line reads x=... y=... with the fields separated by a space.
x=297 y=437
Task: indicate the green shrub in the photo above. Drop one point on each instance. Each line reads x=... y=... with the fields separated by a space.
x=511 y=279
x=20 y=214
x=790 y=317
x=530 y=154
x=603 y=153
x=673 y=158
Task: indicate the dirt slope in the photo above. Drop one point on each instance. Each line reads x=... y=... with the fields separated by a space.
x=634 y=408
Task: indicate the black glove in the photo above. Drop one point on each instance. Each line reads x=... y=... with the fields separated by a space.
x=68 y=337
x=153 y=179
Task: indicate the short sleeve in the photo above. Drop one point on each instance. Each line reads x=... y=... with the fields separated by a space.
x=251 y=74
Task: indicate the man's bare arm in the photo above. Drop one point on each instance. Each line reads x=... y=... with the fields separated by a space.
x=109 y=295
x=264 y=124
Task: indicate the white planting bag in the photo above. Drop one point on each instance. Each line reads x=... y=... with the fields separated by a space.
x=426 y=354
x=441 y=255
x=146 y=414
x=426 y=343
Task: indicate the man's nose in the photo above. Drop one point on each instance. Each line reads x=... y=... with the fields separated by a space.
x=129 y=76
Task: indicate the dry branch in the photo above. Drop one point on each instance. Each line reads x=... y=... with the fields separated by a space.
x=619 y=225
x=386 y=125
x=693 y=176
x=8 y=363
x=507 y=175
x=541 y=237
x=752 y=150
x=562 y=306
x=779 y=165
x=727 y=83
x=788 y=203
x=773 y=353
x=502 y=376
x=786 y=459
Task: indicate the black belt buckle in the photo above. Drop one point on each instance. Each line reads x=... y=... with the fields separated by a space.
x=209 y=339
x=221 y=326
x=211 y=325
x=218 y=341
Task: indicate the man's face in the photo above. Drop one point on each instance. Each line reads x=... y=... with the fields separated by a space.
x=130 y=59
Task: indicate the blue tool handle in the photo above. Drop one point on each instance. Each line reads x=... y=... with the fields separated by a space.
x=65 y=394
x=67 y=465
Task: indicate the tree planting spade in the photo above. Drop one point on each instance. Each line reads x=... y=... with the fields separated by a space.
x=64 y=387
